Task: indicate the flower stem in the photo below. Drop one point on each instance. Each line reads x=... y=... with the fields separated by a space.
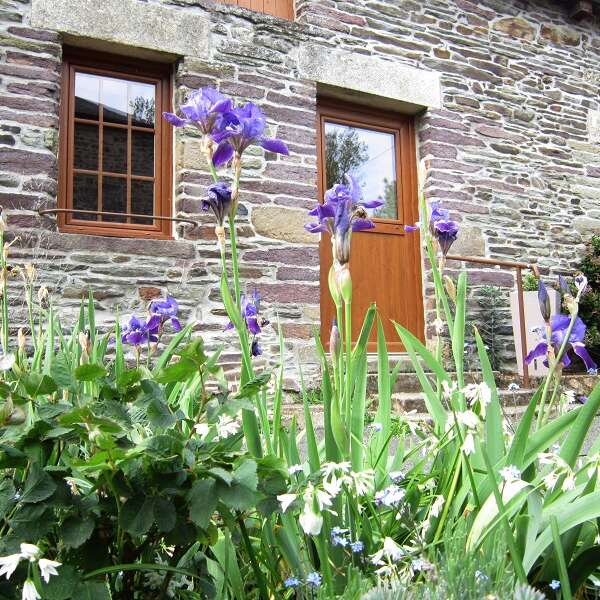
x=348 y=336
x=234 y=261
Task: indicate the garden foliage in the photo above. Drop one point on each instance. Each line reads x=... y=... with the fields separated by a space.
x=132 y=469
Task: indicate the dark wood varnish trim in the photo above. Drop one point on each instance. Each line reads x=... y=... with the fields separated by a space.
x=161 y=76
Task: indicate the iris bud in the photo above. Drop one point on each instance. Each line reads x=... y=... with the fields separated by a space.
x=335 y=342
x=544 y=301
x=333 y=288
x=450 y=287
x=344 y=281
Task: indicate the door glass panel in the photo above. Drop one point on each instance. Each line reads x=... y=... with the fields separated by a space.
x=370 y=156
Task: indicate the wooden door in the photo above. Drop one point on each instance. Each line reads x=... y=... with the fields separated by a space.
x=277 y=8
x=379 y=149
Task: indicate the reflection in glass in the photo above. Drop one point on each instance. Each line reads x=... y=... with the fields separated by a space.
x=85 y=195
x=370 y=156
x=142 y=200
x=141 y=104
x=114 y=99
x=114 y=150
x=87 y=96
x=114 y=197
x=142 y=153
x=86 y=146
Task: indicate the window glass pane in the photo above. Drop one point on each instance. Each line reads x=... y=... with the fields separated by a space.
x=114 y=197
x=142 y=200
x=85 y=195
x=142 y=153
x=370 y=156
x=87 y=96
x=114 y=150
x=141 y=104
x=114 y=99
x=86 y=147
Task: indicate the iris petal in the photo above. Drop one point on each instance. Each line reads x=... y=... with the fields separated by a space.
x=223 y=154
x=540 y=351
x=581 y=351
x=174 y=119
x=274 y=145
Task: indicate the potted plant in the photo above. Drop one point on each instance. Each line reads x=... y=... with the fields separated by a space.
x=533 y=320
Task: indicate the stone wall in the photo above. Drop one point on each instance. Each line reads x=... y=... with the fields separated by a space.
x=508 y=144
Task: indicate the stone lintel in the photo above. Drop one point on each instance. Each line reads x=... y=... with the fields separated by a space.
x=130 y=23
x=369 y=79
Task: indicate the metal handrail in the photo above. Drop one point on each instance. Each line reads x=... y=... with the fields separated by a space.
x=518 y=266
x=47 y=211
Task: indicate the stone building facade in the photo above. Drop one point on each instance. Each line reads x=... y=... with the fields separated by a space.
x=506 y=105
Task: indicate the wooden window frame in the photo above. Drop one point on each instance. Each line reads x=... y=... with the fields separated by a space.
x=78 y=60
x=365 y=117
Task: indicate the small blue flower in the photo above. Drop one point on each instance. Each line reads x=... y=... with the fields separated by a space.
x=357 y=546
x=291 y=582
x=336 y=540
x=313 y=579
x=555 y=584
x=481 y=576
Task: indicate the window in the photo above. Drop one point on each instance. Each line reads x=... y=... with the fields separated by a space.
x=277 y=8
x=115 y=149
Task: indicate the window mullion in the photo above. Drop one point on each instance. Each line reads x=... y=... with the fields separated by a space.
x=100 y=151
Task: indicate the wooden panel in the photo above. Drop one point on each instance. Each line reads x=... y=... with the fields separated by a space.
x=278 y=8
x=385 y=263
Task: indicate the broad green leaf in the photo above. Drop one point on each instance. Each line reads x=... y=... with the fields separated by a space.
x=7 y=494
x=89 y=372
x=571 y=447
x=164 y=514
x=62 y=586
x=182 y=370
x=434 y=406
x=458 y=335
x=157 y=411
x=38 y=487
x=61 y=372
x=254 y=385
x=493 y=416
x=165 y=357
x=76 y=530
x=202 y=500
x=92 y=590
x=580 y=510
x=516 y=453
x=137 y=515
x=358 y=409
x=583 y=566
x=38 y=384
x=384 y=398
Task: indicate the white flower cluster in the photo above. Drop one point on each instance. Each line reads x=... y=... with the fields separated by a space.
x=319 y=498
x=386 y=558
x=31 y=553
x=226 y=426
x=558 y=468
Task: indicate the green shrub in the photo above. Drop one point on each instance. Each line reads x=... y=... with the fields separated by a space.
x=589 y=309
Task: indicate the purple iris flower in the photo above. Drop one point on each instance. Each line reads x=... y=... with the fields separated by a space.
x=203 y=109
x=218 y=199
x=161 y=312
x=559 y=325
x=250 y=307
x=544 y=301
x=446 y=233
x=441 y=226
x=137 y=332
x=242 y=127
x=343 y=212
